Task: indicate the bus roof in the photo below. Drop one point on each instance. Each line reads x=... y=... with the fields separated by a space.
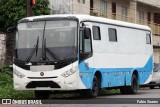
x=90 y=18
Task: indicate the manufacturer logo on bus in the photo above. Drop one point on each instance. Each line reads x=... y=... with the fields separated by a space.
x=42 y=73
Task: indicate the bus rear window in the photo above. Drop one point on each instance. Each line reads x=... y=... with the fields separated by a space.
x=148 y=38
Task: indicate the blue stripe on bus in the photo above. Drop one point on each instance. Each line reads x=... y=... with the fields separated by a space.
x=113 y=77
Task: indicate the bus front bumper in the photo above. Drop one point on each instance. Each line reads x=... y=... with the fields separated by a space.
x=50 y=81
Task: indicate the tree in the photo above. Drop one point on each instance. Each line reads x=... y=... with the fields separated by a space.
x=13 y=10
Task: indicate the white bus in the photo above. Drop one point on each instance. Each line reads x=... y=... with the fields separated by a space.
x=81 y=52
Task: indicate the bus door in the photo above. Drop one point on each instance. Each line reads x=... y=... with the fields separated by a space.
x=85 y=56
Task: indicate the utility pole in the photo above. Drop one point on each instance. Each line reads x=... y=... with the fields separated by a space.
x=28 y=8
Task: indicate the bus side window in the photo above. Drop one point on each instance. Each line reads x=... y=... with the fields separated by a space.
x=96 y=33
x=85 y=43
x=148 y=39
x=81 y=41
x=112 y=35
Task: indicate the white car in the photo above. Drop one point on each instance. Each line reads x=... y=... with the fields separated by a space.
x=156 y=77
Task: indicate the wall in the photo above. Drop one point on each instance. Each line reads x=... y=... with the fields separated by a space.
x=80 y=8
x=131 y=7
x=70 y=7
x=61 y=6
x=156 y=55
x=2 y=47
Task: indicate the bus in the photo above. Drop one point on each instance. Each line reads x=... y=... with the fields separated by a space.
x=81 y=53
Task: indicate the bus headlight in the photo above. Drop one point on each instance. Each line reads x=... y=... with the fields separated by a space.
x=69 y=72
x=18 y=74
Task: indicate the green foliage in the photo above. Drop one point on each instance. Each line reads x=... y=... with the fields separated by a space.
x=13 y=10
x=109 y=91
x=6 y=87
x=41 y=8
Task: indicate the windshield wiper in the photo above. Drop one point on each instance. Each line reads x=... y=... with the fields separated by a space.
x=53 y=55
x=37 y=45
x=34 y=49
x=70 y=58
x=44 y=53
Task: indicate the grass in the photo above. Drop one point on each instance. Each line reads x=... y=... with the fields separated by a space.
x=7 y=91
x=109 y=91
x=6 y=87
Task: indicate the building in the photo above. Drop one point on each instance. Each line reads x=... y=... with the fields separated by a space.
x=70 y=6
x=145 y=12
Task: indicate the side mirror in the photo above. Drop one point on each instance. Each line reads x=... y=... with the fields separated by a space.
x=87 y=33
x=11 y=29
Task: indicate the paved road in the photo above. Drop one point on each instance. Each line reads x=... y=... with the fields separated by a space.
x=142 y=93
x=144 y=98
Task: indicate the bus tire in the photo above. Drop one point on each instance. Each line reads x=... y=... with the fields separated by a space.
x=92 y=92
x=40 y=94
x=123 y=90
x=151 y=87
x=134 y=85
x=95 y=88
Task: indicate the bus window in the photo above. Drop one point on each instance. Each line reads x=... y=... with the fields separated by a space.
x=148 y=38
x=85 y=43
x=96 y=33
x=112 y=35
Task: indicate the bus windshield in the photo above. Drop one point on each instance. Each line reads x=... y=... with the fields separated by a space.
x=46 y=40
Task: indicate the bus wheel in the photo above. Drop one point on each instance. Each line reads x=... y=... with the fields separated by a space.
x=95 y=88
x=151 y=87
x=123 y=90
x=92 y=92
x=40 y=94
x=134 y=85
